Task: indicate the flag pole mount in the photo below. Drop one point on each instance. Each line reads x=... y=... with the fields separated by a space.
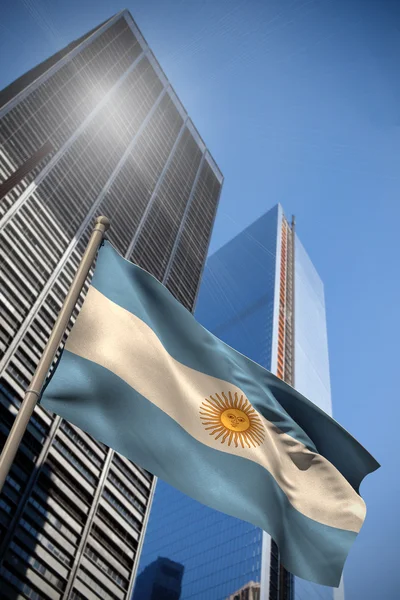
x=32 y=394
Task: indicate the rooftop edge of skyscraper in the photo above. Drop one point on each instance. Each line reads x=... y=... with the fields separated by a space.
x=20 y=87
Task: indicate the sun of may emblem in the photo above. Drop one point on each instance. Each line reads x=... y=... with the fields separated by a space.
x=232 y=419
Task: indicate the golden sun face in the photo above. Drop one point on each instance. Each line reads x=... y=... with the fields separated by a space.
x=232 y=419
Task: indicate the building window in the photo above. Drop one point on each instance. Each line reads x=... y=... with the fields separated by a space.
x=61 y=499
x=36 y=564
x=130 y=475
x=13 y=483
x=101 y=563
x=124 y=490
x=46 y=543
x=75 y=461
x=96 y=587
x=122 y=510
x=82 y=445
x=20 y=585
x=75 y=595
x=102 y=538
x=5 y=506
x=51 y=518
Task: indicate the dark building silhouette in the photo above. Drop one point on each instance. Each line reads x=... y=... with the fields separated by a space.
x=161 y=580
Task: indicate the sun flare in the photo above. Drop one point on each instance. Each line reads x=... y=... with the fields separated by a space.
x=232 y=419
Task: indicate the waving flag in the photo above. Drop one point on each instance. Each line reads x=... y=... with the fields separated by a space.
x=142 y=376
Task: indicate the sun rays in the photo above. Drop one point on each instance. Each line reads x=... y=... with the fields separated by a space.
x=232 y=419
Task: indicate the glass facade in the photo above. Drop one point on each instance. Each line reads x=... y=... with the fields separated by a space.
x=72 y=512
x=236 y=302
x=246 y=299
x=311 y=369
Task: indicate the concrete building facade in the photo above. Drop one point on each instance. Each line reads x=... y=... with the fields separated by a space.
x=95 y=129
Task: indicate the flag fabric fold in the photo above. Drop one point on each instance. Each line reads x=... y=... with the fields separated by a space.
x=142 y=376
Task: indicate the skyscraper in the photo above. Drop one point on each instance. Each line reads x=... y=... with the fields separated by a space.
x=261 y=294
x=94 y=129
x=161 y=580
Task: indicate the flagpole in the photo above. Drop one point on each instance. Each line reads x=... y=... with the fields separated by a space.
x=32 y=394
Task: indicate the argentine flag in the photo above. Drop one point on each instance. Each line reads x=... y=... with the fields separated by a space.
x=142 y=376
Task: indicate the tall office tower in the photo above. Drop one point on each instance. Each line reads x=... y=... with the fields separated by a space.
x=95 y=129
x=260 y=294
x=161 y=580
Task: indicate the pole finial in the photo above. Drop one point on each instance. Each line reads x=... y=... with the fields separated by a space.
x=103 y=221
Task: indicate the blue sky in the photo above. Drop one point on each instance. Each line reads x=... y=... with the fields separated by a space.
x=299 y=102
